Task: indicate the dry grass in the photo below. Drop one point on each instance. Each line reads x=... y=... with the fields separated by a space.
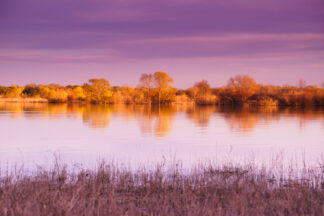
x=23 y=100
x=109 y=190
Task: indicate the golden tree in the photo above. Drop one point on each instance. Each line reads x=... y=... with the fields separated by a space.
x=99 y=91
x=162 y=81
x=243 y=87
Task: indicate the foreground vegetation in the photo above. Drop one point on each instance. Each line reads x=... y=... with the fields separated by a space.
x=157 y=88
x=109 y=190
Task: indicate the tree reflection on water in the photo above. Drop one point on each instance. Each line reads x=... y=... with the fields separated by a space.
x=158 y=120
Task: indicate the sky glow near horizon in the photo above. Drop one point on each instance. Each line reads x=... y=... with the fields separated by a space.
x=68 y=42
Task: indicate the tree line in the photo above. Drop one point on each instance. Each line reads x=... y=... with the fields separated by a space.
x=157 y=88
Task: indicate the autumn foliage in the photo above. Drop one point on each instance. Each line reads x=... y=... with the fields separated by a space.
x=156 y=88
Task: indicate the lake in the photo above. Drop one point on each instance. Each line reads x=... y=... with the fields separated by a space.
x=139 y=135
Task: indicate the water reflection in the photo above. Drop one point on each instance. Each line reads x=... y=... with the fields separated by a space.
x=246 y=119
x=158 y=120
x=96 y=116
x=200 y=115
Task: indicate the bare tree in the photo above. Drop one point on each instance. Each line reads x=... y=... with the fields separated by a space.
x=301 y=83
x=146 y=81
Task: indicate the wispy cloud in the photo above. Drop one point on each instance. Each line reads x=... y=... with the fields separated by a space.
x=264 y=47
x=154 y=35
x=230 y=37
x=66 y=56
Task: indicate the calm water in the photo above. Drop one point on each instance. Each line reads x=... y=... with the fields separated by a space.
x=31 y=134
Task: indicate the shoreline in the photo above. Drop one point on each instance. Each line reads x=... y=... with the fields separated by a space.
x=23 y=100
x=191 y=103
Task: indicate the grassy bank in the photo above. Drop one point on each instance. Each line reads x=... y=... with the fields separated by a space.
x=203 y=191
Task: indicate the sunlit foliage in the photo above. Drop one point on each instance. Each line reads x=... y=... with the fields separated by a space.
x=242 y=87
x=201 y=93
x=98 y=91
x=156 y=88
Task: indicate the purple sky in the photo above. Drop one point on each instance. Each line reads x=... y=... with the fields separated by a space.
x=68 y=42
